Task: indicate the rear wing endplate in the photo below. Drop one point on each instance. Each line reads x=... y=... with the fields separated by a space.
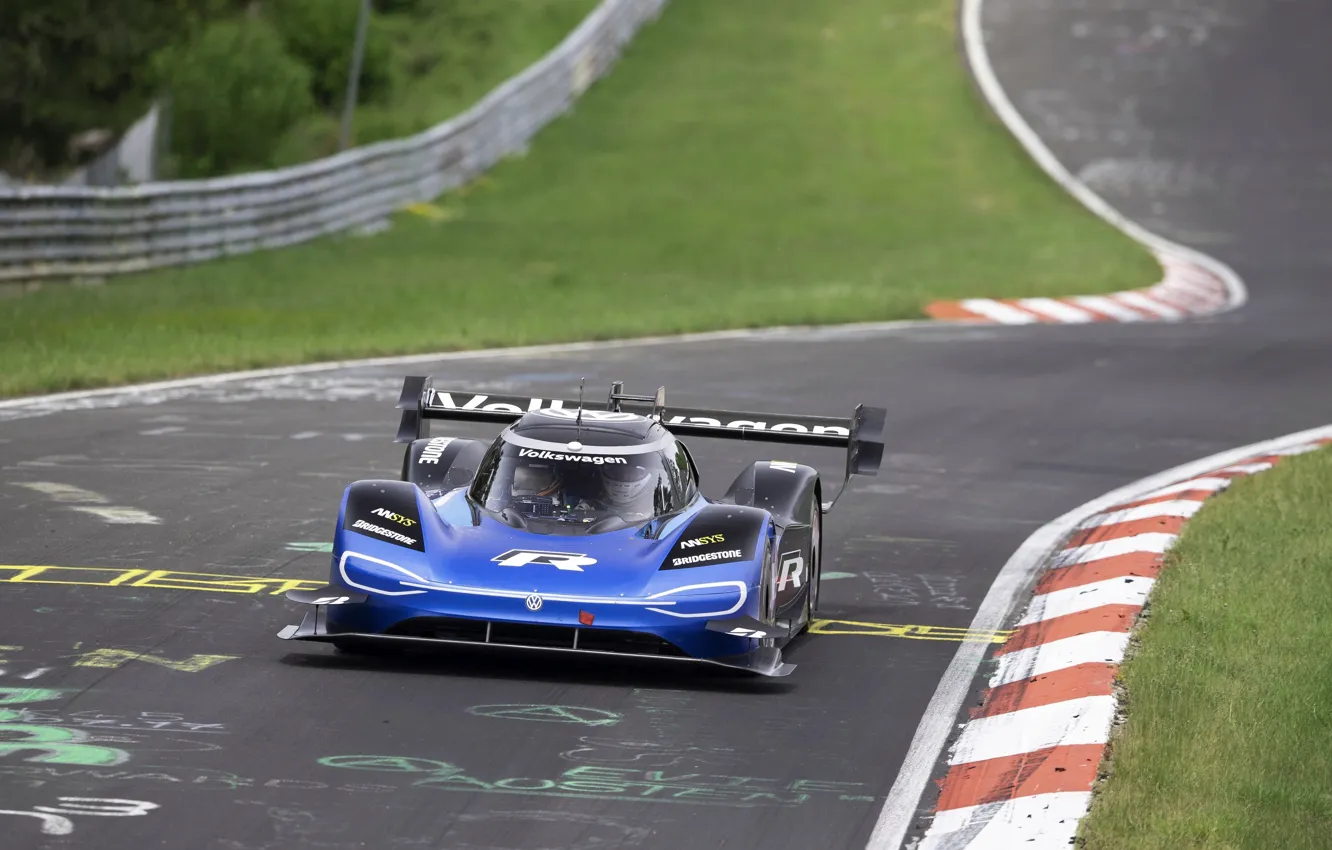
x=861 y=434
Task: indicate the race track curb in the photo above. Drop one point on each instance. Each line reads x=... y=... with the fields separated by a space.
x=1021 y=771
x=1190 y=289
x=1194 y=284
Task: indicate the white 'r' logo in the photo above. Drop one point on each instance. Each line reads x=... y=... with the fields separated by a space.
x=574 y=561
x=793 y=570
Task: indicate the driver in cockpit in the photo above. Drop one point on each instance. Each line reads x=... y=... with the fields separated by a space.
x=536 y=481
x=627 y=490
x=623 y=489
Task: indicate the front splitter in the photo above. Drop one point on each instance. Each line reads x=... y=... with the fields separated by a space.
x=764 y=661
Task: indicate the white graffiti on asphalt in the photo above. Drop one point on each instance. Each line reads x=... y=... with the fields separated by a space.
x=318 y=388
x=650 y=753
x=55 y=821
x=55 y=744
x=145 y=721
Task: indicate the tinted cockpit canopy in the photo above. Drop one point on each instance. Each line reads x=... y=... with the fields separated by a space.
x=604 y=484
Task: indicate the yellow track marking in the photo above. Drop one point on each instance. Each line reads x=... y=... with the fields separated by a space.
x=277 y=586
x=946 y=633
x=164 y=579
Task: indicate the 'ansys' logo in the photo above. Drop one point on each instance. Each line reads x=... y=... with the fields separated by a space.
x=703 y=541
x=390 y=515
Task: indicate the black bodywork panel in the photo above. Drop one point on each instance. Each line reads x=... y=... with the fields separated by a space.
x=788 y=491
x=792 y=565
x=440 y=464
x=717 y=534
x=385 y=510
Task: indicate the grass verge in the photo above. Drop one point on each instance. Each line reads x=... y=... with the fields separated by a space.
x=749 y=163
x=1229 y=691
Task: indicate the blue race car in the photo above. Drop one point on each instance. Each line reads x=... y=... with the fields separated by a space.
x=584 y=531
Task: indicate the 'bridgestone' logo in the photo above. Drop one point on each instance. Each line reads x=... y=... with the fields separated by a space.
x=542 y=454
x=724 y=555
x=433 y=449
x=362 y=525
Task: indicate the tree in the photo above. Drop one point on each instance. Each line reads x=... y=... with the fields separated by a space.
x=320 y=34
x=67 y=66
x=234 y=91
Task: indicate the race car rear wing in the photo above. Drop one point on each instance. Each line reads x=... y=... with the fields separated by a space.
x=861 y=434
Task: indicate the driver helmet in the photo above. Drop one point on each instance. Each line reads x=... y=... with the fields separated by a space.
x=536 y=479
x=624 y=483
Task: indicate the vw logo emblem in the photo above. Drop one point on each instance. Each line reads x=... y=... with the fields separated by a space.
x=534 y=602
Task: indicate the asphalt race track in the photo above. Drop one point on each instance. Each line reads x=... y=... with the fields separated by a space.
x=120 y=683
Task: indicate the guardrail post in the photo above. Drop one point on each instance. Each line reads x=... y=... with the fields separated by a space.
x=354 y=75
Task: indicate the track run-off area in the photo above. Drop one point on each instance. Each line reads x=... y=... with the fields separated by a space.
x=148 y=703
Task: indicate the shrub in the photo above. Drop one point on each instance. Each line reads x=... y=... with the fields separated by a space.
x=234 y=91
x=321 y=33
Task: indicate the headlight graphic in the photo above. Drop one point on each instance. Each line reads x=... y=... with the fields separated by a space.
x=375 y=576
x=714 y=599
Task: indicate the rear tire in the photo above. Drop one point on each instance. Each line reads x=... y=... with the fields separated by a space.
x=768 y=594
x=815 y=565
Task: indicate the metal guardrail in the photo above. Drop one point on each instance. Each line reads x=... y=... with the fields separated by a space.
x=59 y=231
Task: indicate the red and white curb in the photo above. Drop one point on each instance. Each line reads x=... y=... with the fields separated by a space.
x=1189 y=289
x=1020 y=773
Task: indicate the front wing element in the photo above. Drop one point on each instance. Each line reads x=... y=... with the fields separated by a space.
x=748 y=627
x=763 y=661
